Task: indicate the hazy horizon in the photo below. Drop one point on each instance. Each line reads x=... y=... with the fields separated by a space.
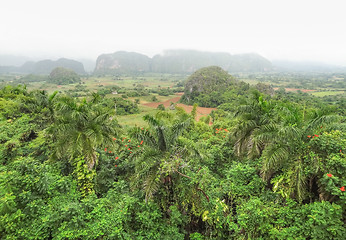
x=277 y=30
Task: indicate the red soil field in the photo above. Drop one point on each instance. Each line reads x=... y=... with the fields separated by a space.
x=201 y=111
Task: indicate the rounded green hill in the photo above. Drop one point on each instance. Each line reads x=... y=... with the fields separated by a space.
x=206 y=81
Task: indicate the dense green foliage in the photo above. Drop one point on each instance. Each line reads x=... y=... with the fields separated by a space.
x=301 y=80
x=211 y=87
x=31 y=78
x=63 y=76
x=269 y=167
x=125 y=107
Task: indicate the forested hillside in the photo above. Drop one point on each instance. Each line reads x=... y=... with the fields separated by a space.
x=259 y=167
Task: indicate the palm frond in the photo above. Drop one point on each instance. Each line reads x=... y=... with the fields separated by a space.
x=151 y=185
x=153 y=122
x=319 y=121
x=299 y=181
x=273 y=157
x=290 y=132
x=164 y=115
x=177 y=129
x=143 y=135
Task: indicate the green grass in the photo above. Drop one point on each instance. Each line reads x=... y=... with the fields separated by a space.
x=146 y=99
x=95 y=83
x=129 y=82
x=50 y=88
x=136 y=119
x=162 y=98
x=327 y=93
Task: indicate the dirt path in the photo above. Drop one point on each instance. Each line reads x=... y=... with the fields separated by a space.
x=201 y=111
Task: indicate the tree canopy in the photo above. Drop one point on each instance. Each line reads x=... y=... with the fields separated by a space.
x=62 y=76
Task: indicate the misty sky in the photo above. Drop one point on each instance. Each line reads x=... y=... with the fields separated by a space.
x=276 y=29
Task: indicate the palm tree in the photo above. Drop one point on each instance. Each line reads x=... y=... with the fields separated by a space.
x=255 y=120
x=286 y=148
x=42 y=105
x=80 y=128
x=164 y=152
x=278 y=133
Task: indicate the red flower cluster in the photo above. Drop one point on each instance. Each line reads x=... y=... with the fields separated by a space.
x=218 y=130
x=309 y=136
x=125 y=147
x=329 y=175
x=342 y=189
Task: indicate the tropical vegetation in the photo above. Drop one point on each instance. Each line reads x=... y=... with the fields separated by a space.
x=261 y=166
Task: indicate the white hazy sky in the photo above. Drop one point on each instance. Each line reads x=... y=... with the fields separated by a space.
x=277 y=29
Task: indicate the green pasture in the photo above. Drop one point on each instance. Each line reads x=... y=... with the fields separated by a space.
x=136 y=119
x=148 y=99
x=327 y=93
x=95 y=83
x=130 y=82
x=49 y=87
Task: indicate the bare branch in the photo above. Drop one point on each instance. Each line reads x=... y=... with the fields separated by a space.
x=206 y=196
x=183 y=174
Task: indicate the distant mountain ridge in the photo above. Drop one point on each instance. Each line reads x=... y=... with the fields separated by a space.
x=170 y=61
x=44 y=66
x=122 y=62
x=179 y=61
x=13 y=60
x=305 y=66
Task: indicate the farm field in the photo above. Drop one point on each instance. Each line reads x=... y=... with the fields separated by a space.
x=148 y=107
x=328 y=93
x=152 y=82
x=318 y=84
x=94 y=83
x=136 y=119
x=201 y=111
